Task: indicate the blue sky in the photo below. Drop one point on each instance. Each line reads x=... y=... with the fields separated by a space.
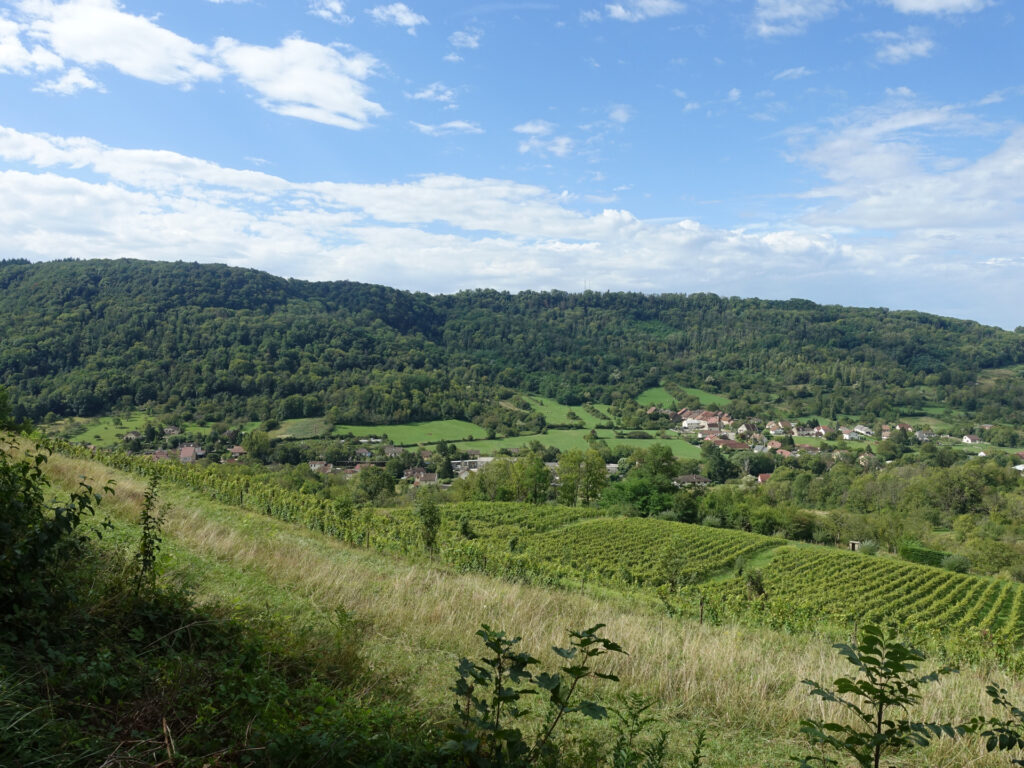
x=866 y=152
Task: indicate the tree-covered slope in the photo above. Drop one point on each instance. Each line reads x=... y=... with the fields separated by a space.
x=84 y=337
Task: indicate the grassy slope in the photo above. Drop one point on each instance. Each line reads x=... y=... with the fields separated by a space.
x=418 y=618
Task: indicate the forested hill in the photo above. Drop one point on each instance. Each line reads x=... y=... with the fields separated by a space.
x=85 y=337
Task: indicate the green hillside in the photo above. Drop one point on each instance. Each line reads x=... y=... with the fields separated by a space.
x=82 y=338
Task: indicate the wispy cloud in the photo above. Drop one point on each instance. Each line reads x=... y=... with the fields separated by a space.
x=444 y=129
x=639 y=10
x=465 y=38
x=939 y=6
x=793 y=73
x=535 y=128
x=434 y=92
x=897 y=48
x=790 y=17
x=399 y=14
x=620 y=113
x=330 y=10
x=71 y=82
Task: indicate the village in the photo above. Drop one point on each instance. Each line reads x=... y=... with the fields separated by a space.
x=419 y=465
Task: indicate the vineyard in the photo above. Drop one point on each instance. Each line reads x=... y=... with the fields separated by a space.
x=803 y=587
x=807 y=586
x=644 y=552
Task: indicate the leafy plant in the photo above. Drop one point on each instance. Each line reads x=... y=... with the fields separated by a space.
x=150 y=522
x=886 y=681
x=37 y=534
x=429 y=513
x=489 y=698
x=633 y=720
x=1004 y=734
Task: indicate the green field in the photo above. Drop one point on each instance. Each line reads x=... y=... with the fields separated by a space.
x=556 y=413
x=708 y=398
x=568 y=439
x=103 y=431
x=417 y=433
x=655 y=396
x=661 y=397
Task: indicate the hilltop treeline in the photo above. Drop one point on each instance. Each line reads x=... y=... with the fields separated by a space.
x=85 y=337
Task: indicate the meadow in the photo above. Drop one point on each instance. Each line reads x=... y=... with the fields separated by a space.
x=416 y=616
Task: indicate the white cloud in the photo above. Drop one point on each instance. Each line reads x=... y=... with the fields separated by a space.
x=897 y=48
x=306 y=80
x=15 y=57
x=790 y=17
x=94 y=32
x=734 y=94
x=620 y=113
x=590 y=16
x=330 y=10
x=535 y=128
x=559 y=146
x=793 y=73
x=900 y=92
x=939 y=6
x=954 y=231
x=71 y=82
x=434 y=92
x=465 y=38
x=453 y=126
x=400 y=14
x=452 y=57
x=638 y=10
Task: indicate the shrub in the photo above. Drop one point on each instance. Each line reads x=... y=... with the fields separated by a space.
x=956 y=563
x=886 y=681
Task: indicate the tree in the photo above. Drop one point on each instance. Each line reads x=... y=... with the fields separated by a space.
x=570 y=476
x=886 y=680
x=593 y=477
x=374 y=483
x=257 y=445
x=429 y=513
x=533 y=480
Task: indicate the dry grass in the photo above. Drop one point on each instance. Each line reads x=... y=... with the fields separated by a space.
x=418 y=619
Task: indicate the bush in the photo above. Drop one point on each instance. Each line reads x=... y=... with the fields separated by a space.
x=868 y=547
x=956 y=563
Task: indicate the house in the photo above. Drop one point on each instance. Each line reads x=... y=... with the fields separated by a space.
x=860 y=429
x=427 y=478
x=160 y=454
x=764 y=477
x=187 y=454
x=820 y=431
x=776 y=428
x=321 y=467
x=363 y=453
x=774 y=444
x=785 y=454
x=391 y=451
x=684 y=481
x=237 y=452
x=732 y=445
x=971 y=439
x=172 y=430
x=133 y=435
